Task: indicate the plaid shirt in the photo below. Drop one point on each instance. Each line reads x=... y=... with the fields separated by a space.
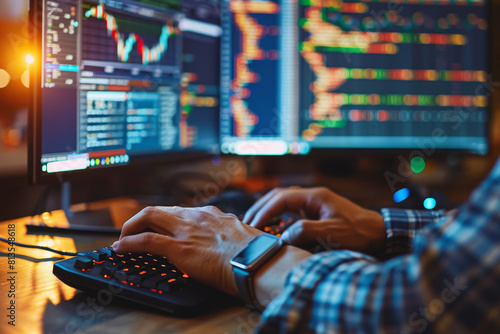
x=443 y=279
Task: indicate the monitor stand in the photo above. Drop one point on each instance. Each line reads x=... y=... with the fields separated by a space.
x=84 y=221
x=95 y=219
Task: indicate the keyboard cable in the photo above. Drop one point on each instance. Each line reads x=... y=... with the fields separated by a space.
x=40 y=247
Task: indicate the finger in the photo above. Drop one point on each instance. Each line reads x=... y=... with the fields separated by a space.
x=159 y=220
x=303 y=232
x=147 y=242
x=292 y=200
x=250 y=214
x=328 y=233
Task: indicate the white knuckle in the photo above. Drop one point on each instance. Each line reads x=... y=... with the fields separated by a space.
x=322 y=192
x=147 y=211
x=213 y=209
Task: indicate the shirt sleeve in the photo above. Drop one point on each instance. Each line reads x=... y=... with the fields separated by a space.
x=448 y=284
x=401 y=227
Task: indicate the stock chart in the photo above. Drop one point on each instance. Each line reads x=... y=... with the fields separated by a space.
x=117 y=37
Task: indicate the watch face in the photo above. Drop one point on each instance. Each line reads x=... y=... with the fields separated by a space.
x=255 y=250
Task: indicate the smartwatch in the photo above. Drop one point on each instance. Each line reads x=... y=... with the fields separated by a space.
x=246 y=263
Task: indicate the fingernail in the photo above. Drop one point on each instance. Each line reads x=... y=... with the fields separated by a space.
x=285 y=235
x=115 y=245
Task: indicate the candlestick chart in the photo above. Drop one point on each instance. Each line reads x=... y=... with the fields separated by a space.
x=118 y=37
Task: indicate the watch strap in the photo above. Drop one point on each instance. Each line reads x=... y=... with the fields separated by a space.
x=244 y=277
x=245 y=288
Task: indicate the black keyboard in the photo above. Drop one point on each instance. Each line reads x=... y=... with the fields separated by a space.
x=144 y=279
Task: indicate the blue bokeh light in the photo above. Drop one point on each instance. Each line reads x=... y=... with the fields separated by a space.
x=429 y=203
x=401 y=195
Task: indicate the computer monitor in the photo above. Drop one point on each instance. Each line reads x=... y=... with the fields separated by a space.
x=116 y=82
x=380 y=75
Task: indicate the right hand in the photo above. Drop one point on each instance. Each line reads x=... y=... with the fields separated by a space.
x=198 y=241
x=327 y=219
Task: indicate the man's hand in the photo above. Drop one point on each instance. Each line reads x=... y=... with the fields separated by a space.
x=198 y=241
x=327 y=218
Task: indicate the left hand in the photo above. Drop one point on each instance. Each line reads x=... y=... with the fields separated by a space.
x=198 y=241
x=327 y=219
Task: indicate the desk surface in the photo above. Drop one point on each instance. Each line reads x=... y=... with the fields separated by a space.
x=46 y=305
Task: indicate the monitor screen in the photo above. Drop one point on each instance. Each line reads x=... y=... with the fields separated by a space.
x=120 y=81
x=259 y=78
x=354 y=75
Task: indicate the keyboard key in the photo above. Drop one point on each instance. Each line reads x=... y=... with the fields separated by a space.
x=168 y=275
x=184 y=281
x=97 y=255
x=152 y=282
x=135 y=279
x=119 y=265
x=129 y=271
x=108 y=251
x=108 y=270
x=139 y=277
x=169 y=285
x=84 y=263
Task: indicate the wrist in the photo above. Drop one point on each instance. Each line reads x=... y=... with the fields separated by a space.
x=270 y=279
x=375 y=232
x=246 y=263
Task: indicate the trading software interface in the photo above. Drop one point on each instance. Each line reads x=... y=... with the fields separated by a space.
x=353 y=74
x=129 y=78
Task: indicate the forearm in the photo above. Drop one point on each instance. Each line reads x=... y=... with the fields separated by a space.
x=344 y=291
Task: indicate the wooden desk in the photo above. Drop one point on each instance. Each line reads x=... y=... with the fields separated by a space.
x=46 y=305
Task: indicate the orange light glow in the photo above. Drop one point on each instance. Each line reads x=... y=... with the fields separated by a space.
x=4 y=78
x=29 y=59
x=25 y=78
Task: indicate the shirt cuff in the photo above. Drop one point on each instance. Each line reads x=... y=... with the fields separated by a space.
x=402 y=225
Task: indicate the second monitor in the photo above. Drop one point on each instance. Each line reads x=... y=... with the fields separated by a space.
x=354 y=75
